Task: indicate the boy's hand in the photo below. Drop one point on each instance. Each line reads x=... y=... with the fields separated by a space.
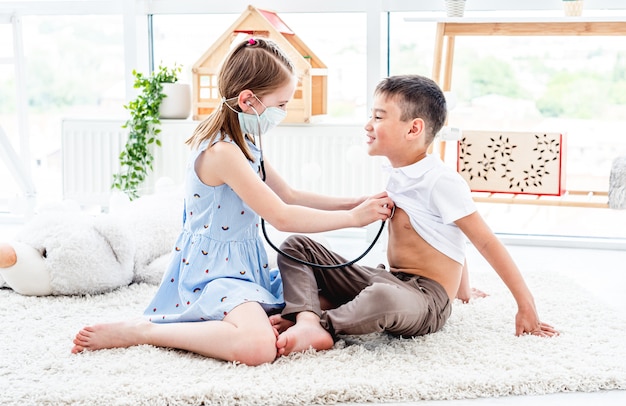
x=530 y=324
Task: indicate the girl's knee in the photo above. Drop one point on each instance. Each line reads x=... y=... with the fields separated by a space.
x=257 y=348
x=253 y=340
x=258 y=355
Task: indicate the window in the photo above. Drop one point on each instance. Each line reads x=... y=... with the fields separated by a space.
x=74 y=67
x=573 y=85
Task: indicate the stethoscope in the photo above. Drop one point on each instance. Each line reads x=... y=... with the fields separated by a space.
x=298 y=260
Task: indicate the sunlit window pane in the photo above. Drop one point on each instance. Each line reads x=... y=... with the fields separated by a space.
x=73 y=67
x=568 y=84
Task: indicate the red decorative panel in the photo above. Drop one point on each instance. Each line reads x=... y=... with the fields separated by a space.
x=513 y=162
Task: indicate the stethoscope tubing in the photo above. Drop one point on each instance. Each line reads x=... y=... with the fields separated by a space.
x=322 y=266
x=298 y=260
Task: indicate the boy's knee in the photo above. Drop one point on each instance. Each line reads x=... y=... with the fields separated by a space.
x=295 y=242
x=295 y=246
x=404 y=313
x=383 y=291
x=390 y=298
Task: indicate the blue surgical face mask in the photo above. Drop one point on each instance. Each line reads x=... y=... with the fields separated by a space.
x=254 y=123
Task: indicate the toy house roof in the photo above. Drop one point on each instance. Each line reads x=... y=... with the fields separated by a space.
x=264 y=23
x=279 y=24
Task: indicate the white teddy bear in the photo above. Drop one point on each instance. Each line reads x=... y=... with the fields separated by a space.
x=63 y=251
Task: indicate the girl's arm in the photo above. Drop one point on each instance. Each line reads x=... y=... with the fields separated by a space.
x=224 y=163
x=304 y=198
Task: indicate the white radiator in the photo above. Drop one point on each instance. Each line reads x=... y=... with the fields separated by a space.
x=88 y=154
x=322 y=158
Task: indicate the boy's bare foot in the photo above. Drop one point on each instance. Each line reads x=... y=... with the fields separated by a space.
x=111 y=335
x=477 y=293
x=474 y=293
x=306 y=333
x=279 y=323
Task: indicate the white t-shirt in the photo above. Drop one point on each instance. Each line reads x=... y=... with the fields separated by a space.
x=433 y=196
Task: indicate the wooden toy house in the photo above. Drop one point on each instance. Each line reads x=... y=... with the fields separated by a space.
x=310 y=98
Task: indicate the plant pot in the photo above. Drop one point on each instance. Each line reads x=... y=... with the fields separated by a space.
x=455 y=8
x=573 y=8
x=177 y=101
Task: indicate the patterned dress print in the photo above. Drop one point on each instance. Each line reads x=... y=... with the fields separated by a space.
x=219 y=260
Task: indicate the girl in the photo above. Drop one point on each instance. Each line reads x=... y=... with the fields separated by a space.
x=215 y=296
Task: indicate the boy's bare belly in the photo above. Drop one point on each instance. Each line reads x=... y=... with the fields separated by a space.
x=408 y=252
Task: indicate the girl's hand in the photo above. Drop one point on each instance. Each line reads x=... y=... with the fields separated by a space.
x=376 y=207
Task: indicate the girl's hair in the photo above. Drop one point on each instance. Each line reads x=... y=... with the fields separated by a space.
x=256 y=64
x=418 y=97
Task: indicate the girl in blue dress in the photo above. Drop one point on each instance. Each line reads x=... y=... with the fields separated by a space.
x=216 y=294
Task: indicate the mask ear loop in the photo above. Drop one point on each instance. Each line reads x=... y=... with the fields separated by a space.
x=278 y=250
x=258 y=121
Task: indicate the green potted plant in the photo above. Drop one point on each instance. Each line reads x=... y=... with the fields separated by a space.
x=143 y=129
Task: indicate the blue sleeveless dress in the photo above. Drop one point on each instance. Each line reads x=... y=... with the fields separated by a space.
x=219 y=260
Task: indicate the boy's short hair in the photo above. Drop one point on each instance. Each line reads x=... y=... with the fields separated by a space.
x=418 y=97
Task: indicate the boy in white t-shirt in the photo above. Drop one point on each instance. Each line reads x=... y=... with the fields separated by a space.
x=434 y=214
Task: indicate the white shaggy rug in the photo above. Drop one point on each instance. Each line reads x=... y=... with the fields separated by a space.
x=475 y=355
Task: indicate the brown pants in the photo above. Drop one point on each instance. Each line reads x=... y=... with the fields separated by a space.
x=363 y=299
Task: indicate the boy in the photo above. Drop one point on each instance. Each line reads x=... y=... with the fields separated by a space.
x=434 y=213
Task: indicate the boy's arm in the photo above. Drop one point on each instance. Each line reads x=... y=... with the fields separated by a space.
x=526 y=321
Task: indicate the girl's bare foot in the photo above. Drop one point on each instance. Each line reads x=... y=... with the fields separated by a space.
x=306 y=333
x=279 y=323
x=111 y=335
